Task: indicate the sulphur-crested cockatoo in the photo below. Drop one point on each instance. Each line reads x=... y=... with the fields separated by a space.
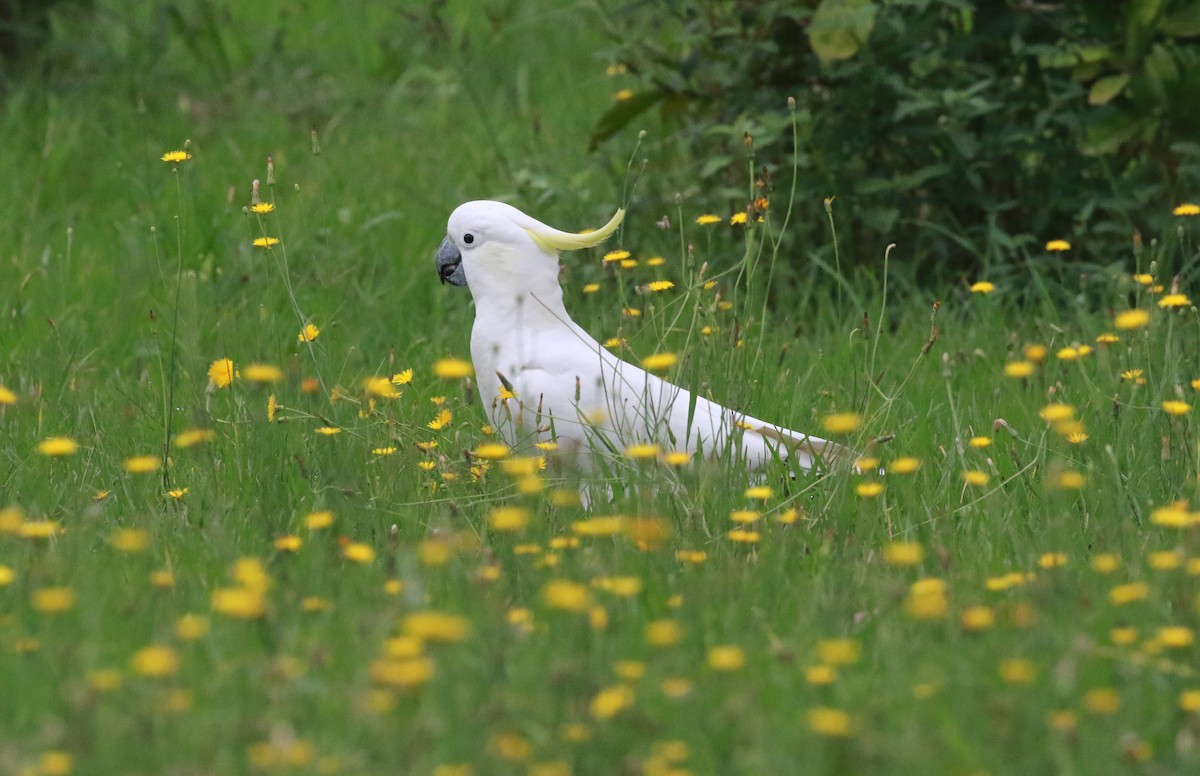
x=541 y=377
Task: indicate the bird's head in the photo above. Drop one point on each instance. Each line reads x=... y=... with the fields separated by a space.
x=490 y=244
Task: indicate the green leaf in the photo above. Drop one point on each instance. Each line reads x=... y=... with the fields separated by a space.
x=621 y=113
x=1106 y=88
x=840 y=27
x=1109 y=134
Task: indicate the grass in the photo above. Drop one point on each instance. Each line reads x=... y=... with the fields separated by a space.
x=1031 y=624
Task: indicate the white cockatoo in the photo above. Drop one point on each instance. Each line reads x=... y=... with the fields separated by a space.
x=541 y=377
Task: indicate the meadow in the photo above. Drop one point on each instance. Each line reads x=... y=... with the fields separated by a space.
x=252 y=519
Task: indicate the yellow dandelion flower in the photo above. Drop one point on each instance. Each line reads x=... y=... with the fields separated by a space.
x=659 y=362
x=1128 y=593
x=1058 y=246
x=708 y=218
x=621 y=95
x=1068 y=354
x=982 y=287
x=839 y=652
x=57 y=447
x=742 y=536
x=222 y=372
x=1176 y=407
x=759 y=492
x=1186 y=209
x=1164 y=560
x=842 y=422
x=452 y=368
x=820 y=675
x=1105 y=563
x=383 y=387
x=1035 y=353
x=52 y=600
x=659 y=285
x=977 y=618
x=1019 y=368
x=262 y=373
x=141 y=464
x=1107 y=338
x=868 y=489
x=975 y=477
x=630 y=312
x=508 y=519
x=617 y=255
x=738 y=218
x=905 y=465
x=155 y=661
x=308 y=333
x=7 y=396
x=612 y=700
x=829 y=722
x=1172 y=516
x=744 y=516
x=357 y=552
x=130 y=539
x=176 y=157
x=695 y=557
x=265 y=242
x=1175 y=300
x=315 y=521
x=663 y=633
x=903 y=554
x=591 y=288
x=437 y=627
x=38 y=529
x=492 y=451
x=288 y=543
x=1132 y=319
x=1070 y=480
x=328 y=430
x=677 y=458
x=1053 y=413
x=1176 y=636
x=1102 y=700
x=7 y=575
x=980 y=442
x=926 y=599
x=261 y=208
x=441 y=420
x=194 y=436
x=1052 y=560
x=566 y=595
x=1017 y=671
x=726 y=657
x=642 y=452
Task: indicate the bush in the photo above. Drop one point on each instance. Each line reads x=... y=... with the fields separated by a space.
x=969 y=134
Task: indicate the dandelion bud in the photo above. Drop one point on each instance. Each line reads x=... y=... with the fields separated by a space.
x=187 y=144
x=153 y=230
x=678 y=198
x=1154 y=268
x=296 y=186
x=316 y=143
x=829 y=204
x=791 y=103
x=270 y=170
x=1137 y=241
x=748 y=140
x=254 y=198
x=703 y=270
x=641 y=134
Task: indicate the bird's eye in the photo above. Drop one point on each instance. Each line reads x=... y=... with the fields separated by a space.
x=468 y=238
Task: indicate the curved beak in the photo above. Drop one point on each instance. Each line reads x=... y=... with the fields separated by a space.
x=449 y=263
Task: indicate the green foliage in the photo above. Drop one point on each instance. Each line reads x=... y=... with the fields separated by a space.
x=969 y=134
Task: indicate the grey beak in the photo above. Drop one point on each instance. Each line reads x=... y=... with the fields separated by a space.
x=449 y=263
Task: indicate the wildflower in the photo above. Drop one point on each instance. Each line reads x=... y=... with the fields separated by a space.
x=1019 y=368
x=1175 y=407
x=660 y=362
x=868 y=489
x=176 y=157
x=630 y=312
x=708 y=218
x=1189 y=701
x=1173 y=516
x=842 y=422
x=191 y=627
x=452 y=368
x=623 y=587
x=744 y=516
x=610 y=701
x=1017 y=671
x=1070 y=480
x=1052 y=560
x=262 y=373
x=1132 y=319
x=905 y=465
x=820 y=675
x=695 y=557
x=839 y=652
x=743 y=536
x=7 y=575
x=140 y=464
x=1128 y=593
x=328 y=430
x=52 y=600
x=492 y=451
x=262 y=208
x=926 y=599
x=663 y=633
x=383 y=387
x=726 y=657
x=222 y=372
x=1175 y=300
x=57 y=447
x=1186 y=209
x=1176 y=636
x=54 y=763
x=1105 y=563
x=601 y=526
x=265 y=242
x=358 y=552
x=828 y=721
x=1107 y=338
x=566 y=595
x=239 y=602
x=903 y=554
x=402 y=673
x=1058 y=246
x=38 y=529
x=866 y=463
x=1123 y=636
x=508 y=519
x=1067 y=354
x=1164 y=560
x=738 y=218
x=641 y=452
x=155 y=661
x=1035 y=353
x=194 y=436
x=659 y=286
x=982 y=287
x=7 y=396
x=1102 y=700
x=975 y=477
x=978 y=618
x=759 y=492
x=130 y=539
x=315 y=521
x=104 y=679
x=438 y=627
x=1053 y=413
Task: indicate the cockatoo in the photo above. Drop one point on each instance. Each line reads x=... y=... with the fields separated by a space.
x=541 y=377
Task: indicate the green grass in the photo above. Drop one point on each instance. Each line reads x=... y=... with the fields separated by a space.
x=118 y=266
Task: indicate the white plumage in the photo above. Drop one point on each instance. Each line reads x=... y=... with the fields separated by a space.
x=541 y=376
